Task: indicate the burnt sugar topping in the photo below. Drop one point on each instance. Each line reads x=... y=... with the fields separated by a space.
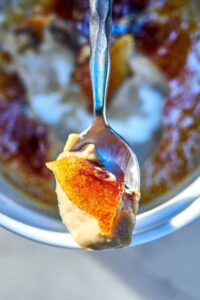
x=171 y=39
x=21 y=137
x=78 y=10
x=88 y=188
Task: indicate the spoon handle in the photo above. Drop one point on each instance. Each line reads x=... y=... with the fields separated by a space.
x=100 y=34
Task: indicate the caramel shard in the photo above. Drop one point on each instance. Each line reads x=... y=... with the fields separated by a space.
x=89 y=188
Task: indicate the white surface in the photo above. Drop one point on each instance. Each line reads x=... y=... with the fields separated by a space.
x=165 y=269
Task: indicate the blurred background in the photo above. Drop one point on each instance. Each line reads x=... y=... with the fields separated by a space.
x=165 y=269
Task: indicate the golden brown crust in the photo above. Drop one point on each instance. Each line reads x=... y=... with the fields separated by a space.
x=87 y=186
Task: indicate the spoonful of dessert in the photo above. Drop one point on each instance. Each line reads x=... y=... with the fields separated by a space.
x=97 y=174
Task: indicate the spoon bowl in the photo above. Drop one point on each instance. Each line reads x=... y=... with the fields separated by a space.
x=113 y=152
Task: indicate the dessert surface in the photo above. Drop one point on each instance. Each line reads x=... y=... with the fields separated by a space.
x=44 y=69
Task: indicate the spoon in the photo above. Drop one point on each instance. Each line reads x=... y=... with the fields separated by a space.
x=112 y=151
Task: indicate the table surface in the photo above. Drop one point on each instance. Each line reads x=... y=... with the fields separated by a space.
x=165 y=269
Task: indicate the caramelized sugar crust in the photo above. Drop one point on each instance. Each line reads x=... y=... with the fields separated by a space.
x=78 y=10
x=24 y=146
x=89 y=188
x=171 y=38
x=20 y=135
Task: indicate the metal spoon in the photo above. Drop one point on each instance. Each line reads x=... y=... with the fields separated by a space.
x=112 y=151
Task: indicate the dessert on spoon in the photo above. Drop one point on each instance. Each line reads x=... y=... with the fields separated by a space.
x=97 y=174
